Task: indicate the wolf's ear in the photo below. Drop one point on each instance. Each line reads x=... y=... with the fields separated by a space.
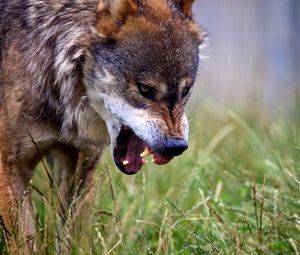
x=185 y=6
x=112 y=14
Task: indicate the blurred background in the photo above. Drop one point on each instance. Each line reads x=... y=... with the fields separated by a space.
x=254 y=53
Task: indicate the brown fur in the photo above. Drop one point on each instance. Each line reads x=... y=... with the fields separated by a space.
x=68 y=80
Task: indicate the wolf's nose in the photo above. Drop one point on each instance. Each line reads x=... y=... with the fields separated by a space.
x=175 y=146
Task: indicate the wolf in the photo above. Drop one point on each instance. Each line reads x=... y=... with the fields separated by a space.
x=78 y=75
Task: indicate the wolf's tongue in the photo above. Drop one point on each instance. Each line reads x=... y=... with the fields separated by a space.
x=160 y=159
x=134 y=148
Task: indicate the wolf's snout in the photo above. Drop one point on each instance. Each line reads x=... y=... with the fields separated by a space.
x=175 y=146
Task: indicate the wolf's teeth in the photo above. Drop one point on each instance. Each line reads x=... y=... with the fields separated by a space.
x=125 y=162
x=145 y=153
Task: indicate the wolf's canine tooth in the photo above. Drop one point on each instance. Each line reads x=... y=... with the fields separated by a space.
x=145 y=153
x=125 y=162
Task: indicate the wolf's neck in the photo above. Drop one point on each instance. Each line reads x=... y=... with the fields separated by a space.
x=58 y=37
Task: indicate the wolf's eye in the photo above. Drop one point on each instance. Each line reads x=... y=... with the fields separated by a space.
x=146 y=91
x=185 y=92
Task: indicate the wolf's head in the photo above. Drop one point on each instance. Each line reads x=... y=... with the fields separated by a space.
x=140 y=76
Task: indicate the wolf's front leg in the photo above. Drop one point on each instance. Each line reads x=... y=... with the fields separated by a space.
x=16 y=208
x=74 y=172
x=86 y=164
x=62 y=161
x=83 y=175
x=73 y=168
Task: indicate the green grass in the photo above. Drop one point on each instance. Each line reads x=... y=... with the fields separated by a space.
x=235 y=191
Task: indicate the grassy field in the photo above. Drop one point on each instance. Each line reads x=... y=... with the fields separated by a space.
x=235 y=191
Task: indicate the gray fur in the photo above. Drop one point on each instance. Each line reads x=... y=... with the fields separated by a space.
x=68 y=86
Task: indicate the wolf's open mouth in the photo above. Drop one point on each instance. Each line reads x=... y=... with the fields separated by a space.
x=130 y=150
